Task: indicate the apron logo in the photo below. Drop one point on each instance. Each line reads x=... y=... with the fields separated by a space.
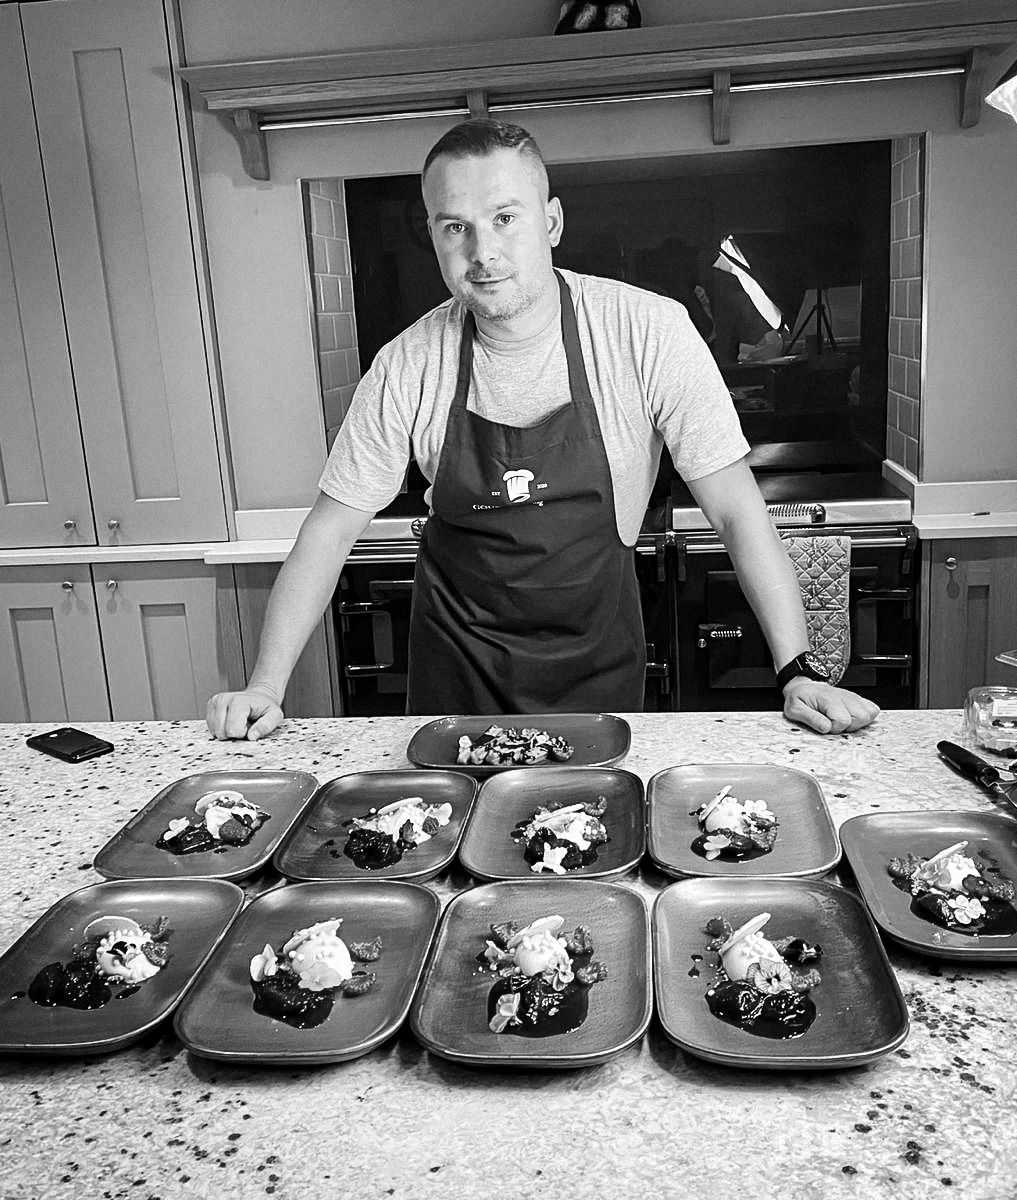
x=518 y=484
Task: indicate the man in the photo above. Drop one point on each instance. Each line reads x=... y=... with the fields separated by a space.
x=537 y=402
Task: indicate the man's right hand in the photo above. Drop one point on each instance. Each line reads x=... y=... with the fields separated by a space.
x=252 y=714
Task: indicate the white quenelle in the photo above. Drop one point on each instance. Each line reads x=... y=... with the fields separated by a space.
x=948 y=869
x=725 y=811
x=391 y=818
x=537 y=948
x=120 y=954
x=747 y=946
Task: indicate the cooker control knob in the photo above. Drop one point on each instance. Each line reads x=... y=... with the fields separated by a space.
x=950 y=563
x=417 y=526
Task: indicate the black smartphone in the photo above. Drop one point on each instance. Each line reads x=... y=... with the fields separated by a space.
x=71 y=745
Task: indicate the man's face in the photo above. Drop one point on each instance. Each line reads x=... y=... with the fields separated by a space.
x=493 y=229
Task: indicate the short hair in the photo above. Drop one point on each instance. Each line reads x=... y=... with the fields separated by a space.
x=480 y=136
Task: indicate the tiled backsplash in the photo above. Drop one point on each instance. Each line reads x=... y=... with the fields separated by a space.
x=335 y=323
x=904 y=380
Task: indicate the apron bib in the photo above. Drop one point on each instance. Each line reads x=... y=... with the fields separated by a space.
x=525 y=599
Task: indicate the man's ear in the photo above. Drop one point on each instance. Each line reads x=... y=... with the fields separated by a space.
x=555 y=221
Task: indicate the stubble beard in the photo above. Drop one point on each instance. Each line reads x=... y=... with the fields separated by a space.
x=506 y=309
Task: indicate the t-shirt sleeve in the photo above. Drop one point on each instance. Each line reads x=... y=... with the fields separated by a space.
x=369 y=457
x=690 y=405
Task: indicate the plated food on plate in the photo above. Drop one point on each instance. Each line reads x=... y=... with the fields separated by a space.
x=965 y=893
x=299 y=983
x=115 y=957
x=221 y=819
x=732 y=828
x=562 y=837
x=762 y=986
x=501 y=747
x=383 y=835
x=543 y=977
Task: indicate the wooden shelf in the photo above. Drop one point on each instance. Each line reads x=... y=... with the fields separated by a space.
x=713 y=56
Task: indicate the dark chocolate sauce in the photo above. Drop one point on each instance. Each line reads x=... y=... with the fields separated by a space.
x=281 y=997
x=1000 y=918
x=370 y=849
x=535 y=1007
x=781 y=1015
x=74 y=985
x=729 y=853
x=534 y=849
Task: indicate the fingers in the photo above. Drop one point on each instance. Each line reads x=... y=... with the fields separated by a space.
x=265 y=723
x=234 y=715
x=827 y=709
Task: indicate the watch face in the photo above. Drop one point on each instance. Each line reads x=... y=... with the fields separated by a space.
x=816 y=665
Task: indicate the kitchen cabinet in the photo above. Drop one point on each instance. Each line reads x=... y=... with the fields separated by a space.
x=309 y=693
x=171 y=635
x=50 y=653
x=44 y=499
x=968 y=589
x=112 y=188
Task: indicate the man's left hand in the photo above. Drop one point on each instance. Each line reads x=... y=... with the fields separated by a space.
x=825 y=708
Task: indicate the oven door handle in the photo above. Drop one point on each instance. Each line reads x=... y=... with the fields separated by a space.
x=901 y=661
x=873 y=543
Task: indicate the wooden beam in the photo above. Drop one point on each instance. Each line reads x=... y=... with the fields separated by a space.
x=253 y=148
x=721 y=108
x=975 y=66
x=476 y=99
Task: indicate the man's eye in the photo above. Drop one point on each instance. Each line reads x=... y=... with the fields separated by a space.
x=454 y=227
x=505 y=218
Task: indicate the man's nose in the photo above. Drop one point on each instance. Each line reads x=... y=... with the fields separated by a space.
x=483 y=247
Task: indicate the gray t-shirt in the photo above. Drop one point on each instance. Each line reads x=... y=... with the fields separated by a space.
x=653 y=380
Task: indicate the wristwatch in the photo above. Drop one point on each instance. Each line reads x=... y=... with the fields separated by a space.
x=807 y=664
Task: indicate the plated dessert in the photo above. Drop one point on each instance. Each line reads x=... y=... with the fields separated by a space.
x=762 y=986
x=115 y=957
x=733 y=829
x=563 y=837
x=299 y=983
x=963 y=893
x=543 y=977
x=499 y=747
x=221 y=819
x=383 y=836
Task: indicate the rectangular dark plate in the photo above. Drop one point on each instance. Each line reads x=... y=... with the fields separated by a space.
x=132 y=853
x=304 y=855
x=449 y=1014
x=600 y=739
x=860 y=1012
x=488 y=851
x=806 y=845
x=217 y=1018
x=199 y=912
x=871 y=841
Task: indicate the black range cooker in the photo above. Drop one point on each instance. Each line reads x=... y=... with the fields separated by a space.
x=704 y=648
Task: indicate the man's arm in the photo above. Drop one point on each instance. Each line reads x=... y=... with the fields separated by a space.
x=733 y=506
x=304 y=586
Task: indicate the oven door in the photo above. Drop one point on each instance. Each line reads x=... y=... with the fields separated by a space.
x=372 y=616
x=724 y=661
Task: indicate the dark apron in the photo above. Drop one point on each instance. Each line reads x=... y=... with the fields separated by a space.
x=525 y=599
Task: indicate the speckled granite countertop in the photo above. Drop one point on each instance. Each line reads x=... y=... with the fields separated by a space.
x=935 y=1118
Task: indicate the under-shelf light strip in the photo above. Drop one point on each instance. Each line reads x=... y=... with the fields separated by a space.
x=684 y=93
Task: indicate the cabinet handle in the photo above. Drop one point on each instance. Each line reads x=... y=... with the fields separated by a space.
x=111 y=584
x=70 y=523
x=113 y=524
x=67 y=585
x=950 y=563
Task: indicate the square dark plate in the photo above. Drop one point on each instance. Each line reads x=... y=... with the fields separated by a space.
x=132 y=853
x=449 y=1014
x=871 y=841
x=489 y=852
x=199 y=912
x=807 y=845
x=860 y=1012
x=218 y=1019
x=600 y=739
x=304 y=855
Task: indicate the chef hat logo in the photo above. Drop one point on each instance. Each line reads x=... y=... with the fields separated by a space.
x=518 y=485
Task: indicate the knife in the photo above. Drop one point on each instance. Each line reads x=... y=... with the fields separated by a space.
x=1000 y=783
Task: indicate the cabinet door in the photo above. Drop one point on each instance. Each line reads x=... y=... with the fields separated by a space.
x=171 y=637
x=309 y=693
x=102 y=83
x=971 y=616
x=50 y=654
x=42 y=469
